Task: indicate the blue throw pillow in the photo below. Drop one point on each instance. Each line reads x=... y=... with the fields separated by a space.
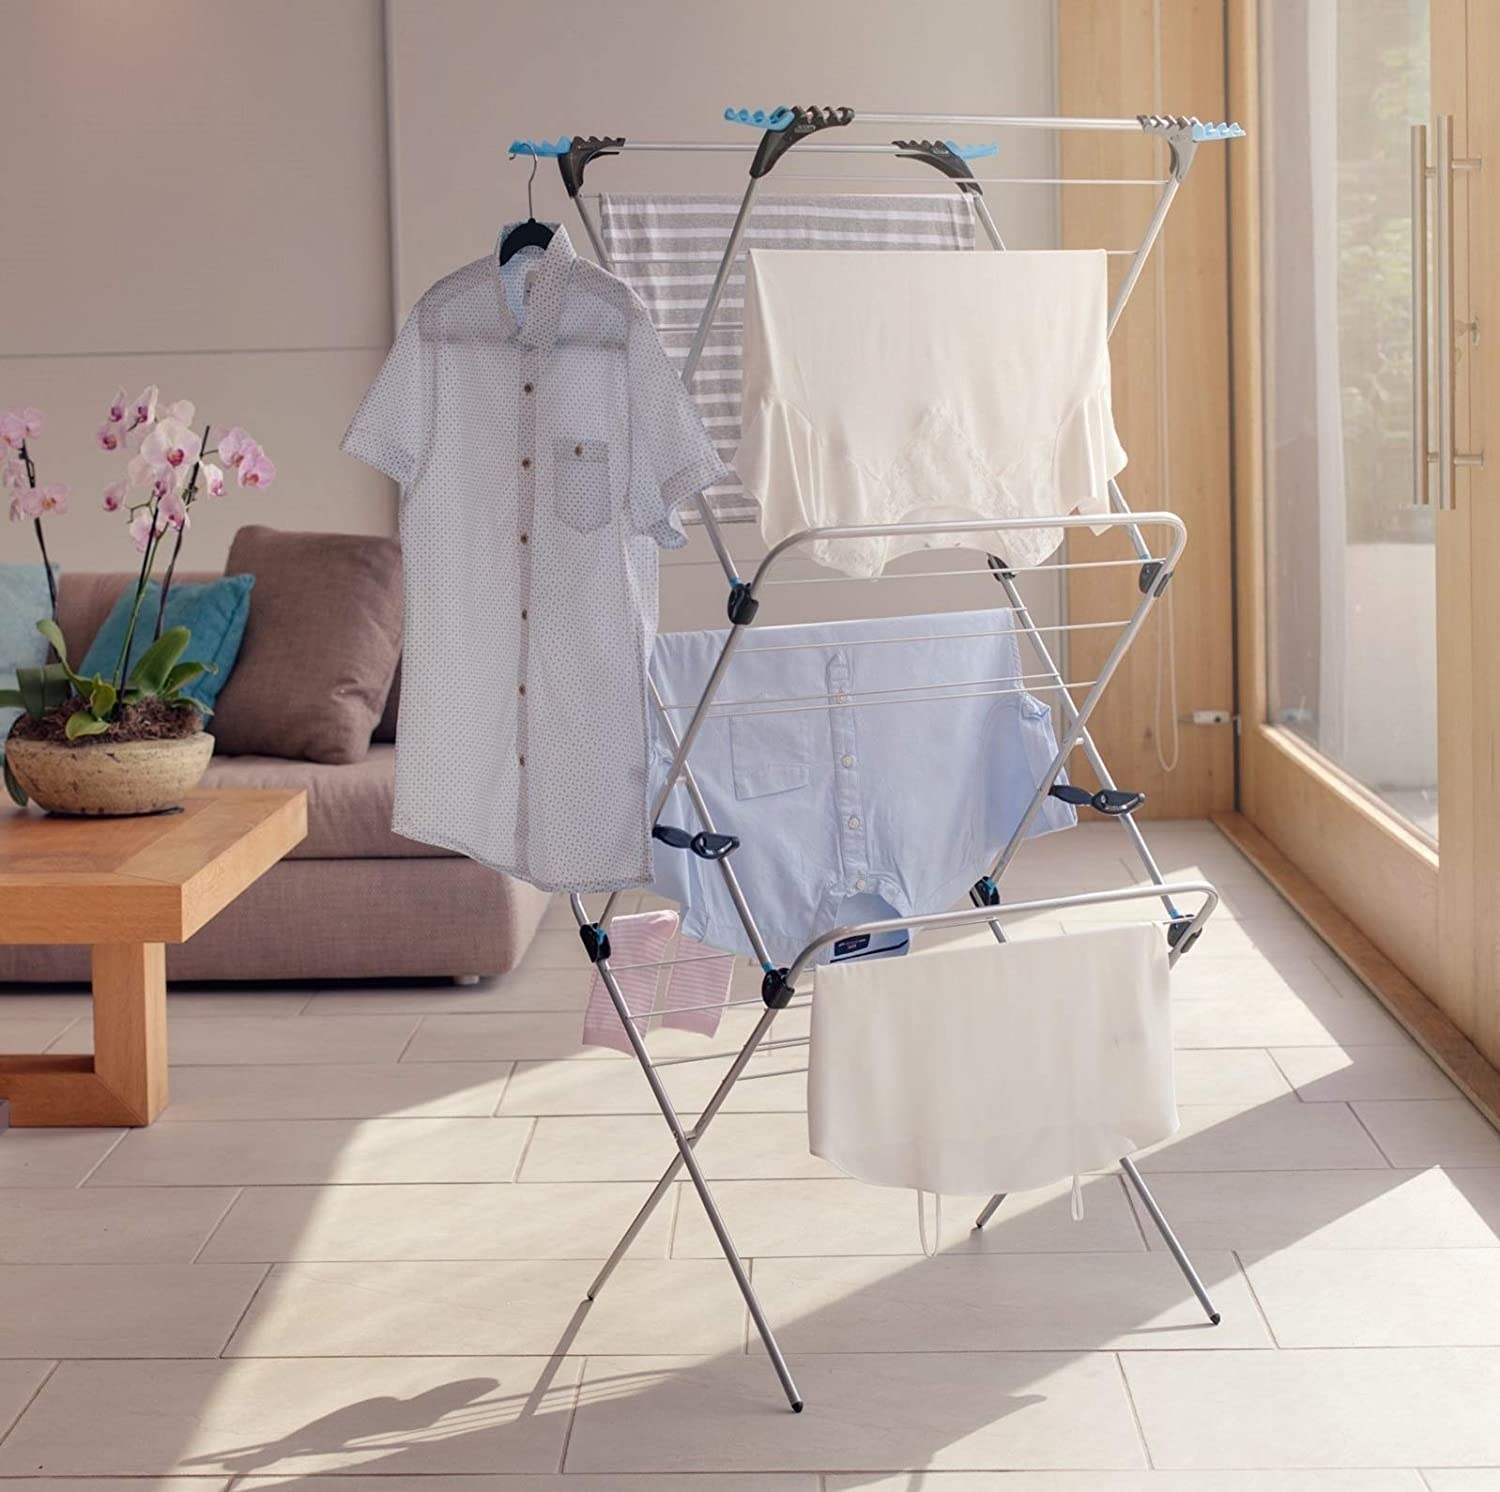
x=23 y=603
x=215 y=612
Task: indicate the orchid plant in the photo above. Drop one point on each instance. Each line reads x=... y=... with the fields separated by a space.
x=28 y=500
x=168 y=470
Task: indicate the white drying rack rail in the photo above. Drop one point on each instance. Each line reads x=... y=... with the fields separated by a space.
x=781 y=131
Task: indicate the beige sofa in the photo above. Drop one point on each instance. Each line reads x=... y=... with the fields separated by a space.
x=353 y=901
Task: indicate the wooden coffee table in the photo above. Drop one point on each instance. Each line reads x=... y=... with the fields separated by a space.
x=126 y=887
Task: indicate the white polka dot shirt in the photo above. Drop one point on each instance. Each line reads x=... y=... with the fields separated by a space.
x=542 y=442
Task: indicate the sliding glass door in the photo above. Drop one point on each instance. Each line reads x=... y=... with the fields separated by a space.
x=1350 y=557
x=1372 y=756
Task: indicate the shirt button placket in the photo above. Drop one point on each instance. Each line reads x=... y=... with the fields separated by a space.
x=853 y=838
x=526 y=434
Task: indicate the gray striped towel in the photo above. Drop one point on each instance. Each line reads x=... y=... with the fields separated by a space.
x=667 y=249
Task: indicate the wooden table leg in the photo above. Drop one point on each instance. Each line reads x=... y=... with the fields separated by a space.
x=125 y=1081
x=130 y=1025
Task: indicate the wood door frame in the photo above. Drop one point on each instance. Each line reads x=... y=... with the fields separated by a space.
x=1170 y=358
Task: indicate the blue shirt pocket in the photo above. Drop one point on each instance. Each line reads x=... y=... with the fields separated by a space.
x=770 y=752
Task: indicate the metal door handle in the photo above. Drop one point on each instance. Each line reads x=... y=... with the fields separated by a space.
x=1421 y=494
x=1446 y=351
x=1448 y=457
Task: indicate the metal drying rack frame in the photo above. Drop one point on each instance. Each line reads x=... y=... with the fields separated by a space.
x=782 y=130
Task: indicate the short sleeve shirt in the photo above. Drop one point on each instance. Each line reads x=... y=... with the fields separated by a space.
x=542 y=442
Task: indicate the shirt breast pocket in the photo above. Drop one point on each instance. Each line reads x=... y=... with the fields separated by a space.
x=580 y=482
x=770 y=752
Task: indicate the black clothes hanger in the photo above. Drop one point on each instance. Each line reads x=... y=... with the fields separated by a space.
x=530 y=234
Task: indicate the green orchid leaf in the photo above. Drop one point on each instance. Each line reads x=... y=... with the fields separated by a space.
x=81 y=723
x=14 y=788
x=53 y=633
x=101 y=698
x=42 y=689
x=10 y=699
x=154 y=665
x=184 y=674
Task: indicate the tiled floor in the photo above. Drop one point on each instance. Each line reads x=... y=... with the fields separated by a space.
x=359 y=1240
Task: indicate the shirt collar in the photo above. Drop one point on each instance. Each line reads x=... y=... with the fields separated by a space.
x=543 y=309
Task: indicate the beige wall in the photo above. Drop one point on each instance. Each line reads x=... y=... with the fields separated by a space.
x=196 y=196
x=468 y=76
x=225 y=227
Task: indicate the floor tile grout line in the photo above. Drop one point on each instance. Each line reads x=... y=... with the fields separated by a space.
x=411 y=1036
x=524 y=1151
x=93 y=1170
x=567 y=1440
x=1259 y=1304
x=1135 y=1413
x=1359 y=1120
x=1130 y=1203
x=213 y=1232
x=36 y=1394
x=510 y=1075
x=240 y=1319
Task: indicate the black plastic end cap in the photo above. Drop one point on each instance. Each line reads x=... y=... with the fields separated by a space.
x=1000 y=569
x=985 y=893
x=939 y=155
x=742 y=604
x=805 y=121
x=1150 y=571
x=1181 y=932
x=796 y=1406
x=775 y=990
x=595 y=941
x=575 y=160
x=1214 y=1319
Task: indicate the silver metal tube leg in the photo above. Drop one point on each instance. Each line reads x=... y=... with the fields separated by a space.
x=990 y=1208
x=1137 y=264
x=1074 y=733
x=670 y=1174
x=1085 y=740
x=591 y=228
x=695 y=1174
x=1170 y=1238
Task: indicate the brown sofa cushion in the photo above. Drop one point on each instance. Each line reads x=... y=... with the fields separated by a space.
x=321 y=646
x=348 y=806
x=386 y=730
x=84 y=600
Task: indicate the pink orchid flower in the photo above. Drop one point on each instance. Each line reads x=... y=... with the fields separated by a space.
x=144 y=410
x=12 y=473
x=26 y=503
x=138 y=472
x=171 y=443
x=52 y=498
x=110 y=437
x=115 y=495
x=163 y=481
x=173 y=511
x=178 y=409
x=34 y=420
x=117 y=407
x=142 y=528
x=12 y=430
x=213 y=479
x=257 y=470
x=234 y=446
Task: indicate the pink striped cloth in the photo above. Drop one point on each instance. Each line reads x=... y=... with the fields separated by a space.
x=641 y=946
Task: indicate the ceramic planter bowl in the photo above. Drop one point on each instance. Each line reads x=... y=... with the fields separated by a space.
x=110 y=778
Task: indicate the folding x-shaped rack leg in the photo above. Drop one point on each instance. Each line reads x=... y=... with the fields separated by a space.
x=782 y=130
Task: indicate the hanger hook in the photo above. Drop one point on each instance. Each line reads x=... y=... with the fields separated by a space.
x=530 y=211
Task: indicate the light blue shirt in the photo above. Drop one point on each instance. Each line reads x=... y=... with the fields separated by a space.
x=871 y=768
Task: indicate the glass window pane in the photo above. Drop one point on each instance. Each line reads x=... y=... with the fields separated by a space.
x=1349 y=562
